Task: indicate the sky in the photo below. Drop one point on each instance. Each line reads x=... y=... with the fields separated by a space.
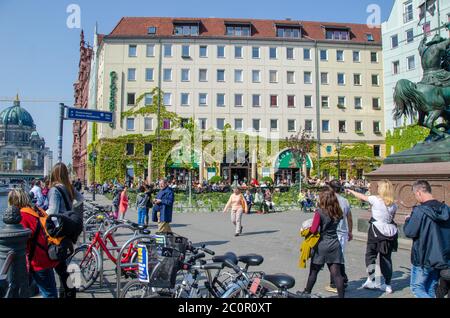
x=39 y=53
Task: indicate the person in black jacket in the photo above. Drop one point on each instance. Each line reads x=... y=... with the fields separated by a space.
x=429 y=227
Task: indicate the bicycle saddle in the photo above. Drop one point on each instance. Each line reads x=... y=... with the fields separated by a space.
x=251 y=259
x=221 y=258
x=281 y=280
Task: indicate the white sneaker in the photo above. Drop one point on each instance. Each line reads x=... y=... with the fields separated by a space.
x=369 y=284
x=386 y=288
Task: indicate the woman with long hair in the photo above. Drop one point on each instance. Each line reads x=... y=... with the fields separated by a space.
x=238 y=207
x=382 y=236
x=61 y=197
x=328 y=249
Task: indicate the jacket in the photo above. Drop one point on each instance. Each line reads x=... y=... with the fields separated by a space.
x=123 y=205
x=40 y=259
x=307 y=246
x=165 y=207
x=141 y=200
x=56 y=202
x=429 y=227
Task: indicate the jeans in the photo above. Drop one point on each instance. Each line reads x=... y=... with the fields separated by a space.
x=45 y=280
x=141 y=215
x=424 y=281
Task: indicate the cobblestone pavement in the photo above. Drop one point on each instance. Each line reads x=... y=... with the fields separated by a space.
x=276 y=237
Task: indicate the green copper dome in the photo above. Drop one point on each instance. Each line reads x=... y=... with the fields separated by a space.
x=16 y=115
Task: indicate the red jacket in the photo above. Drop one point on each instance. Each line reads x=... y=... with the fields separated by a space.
x=123 y=206
x=40 y=260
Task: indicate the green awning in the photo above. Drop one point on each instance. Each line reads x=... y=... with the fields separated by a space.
x=286 y=161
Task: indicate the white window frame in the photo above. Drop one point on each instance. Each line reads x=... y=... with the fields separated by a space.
x=153 y=74
x=392 y=41
x=361 y=102
x=320 y=55
x=164 y=75
x=398 y=67
x=129 y=50
x=223 y=123
x=407 y=62
x=217 y=75
x=259 y=52
x=242 y=124
x=327 y=81
x=146 y=119
x=183 y=46
x=295 y=125
x=145 y=98
x=344 y=83
x=312 y=125
x=133 y=120
x=270 y=101
x=206 y=75
x=129 y=79
x=200 y=51
x=329 y=126
x=202 y=120
x=378 y=80
x=345 y=126
x=200 y=99
x=152 y=46
x=242 y=100
x=310 y=77
x=295 y=101
x=259 y=124
x=361 y=124
x=236 y=72
x=304 y=101
x=359 y=56
x=259 y=100
x=170 y=99
x=217 y=100
x=270 y=76
x=134 y=99
x=241 y=51
x=166 y=47
x=259 y=76
x=278 y=126
x=321 y=101
x=218 y=50
x=345 y=101
x=309 y=54
x=188 y=99
x=376 y=57
x=360 y=81
x=183 y=71
x=293 y=77
x=343 y=56
x=276 y=53
x=293 y=53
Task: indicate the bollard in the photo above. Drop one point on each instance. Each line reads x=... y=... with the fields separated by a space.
x=13 y=237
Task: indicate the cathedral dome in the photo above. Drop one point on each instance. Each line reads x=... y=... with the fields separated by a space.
x=16 y=115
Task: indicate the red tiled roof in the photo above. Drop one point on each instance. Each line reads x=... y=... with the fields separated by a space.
x=215 y=27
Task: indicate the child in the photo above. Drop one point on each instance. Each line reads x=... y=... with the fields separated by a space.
x=141 y=205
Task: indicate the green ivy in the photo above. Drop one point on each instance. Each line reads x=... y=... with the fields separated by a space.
x=404 y=138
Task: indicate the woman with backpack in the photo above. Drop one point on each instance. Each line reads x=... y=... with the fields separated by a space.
x=40 y=266
x=123 y=205
x=383 y=234
x=238 y=207
x=61 y=198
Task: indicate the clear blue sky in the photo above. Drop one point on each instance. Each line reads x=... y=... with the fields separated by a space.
x=39 y=53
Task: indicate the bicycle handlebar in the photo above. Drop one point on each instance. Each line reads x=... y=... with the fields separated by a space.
x=229 y=264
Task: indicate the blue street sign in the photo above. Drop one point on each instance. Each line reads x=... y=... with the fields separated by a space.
x=89 y=115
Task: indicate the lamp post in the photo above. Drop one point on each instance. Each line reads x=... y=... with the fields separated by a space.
x=338 y=150
x=94 y=159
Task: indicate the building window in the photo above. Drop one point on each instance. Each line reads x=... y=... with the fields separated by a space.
x=376 y=150
x=148 y=100
x=307 y=78
x=358 y=103
x=292 y=125
x=147 y=149
x=151 y=30
x=274 y=125
x=411 y=62
x=185 y=75
x=131 y=74
x=290 y=53
x=273 y=100
x=148 y=124
x=375 y=80
x=184 y=99
x=290 y=77
x=376 y=103
x=331 y=34
x=150 y=50
x=238 y=76
x=370 y=37
x=356 y=56
x=342 y=126
x=184 y=122
x=394 y=41
x=273 y=53
x=325 y=103
x=376 y=127
x=186 y=29
x=202 y=123
x=256 y=100
x=203 y=99
x=185 y=51
x=130 y=124
x=131 y=99
x=256 y=124
x=273 y=76
x=166 y=124
x=203 y=51
x=220 y=100
x=238 y=52
x=357 y=79
x=308 y=101
x=284 y=32
x=220 y=51
x=340 y=55
x=408 y=13
x=220 y=123
x=238 y=100
x=149 y=75
x=374 y=57
x=167 y=99
x=238 y=124
x=341 y=78
x=256 y=76
x=324 y=78
x=341 y=102
x=130 y=149
x=324 y=55
x=308 y=125
x=221 y=75
x=306 y=54
x=291 y=101
x=325 y=126
x=132 y=50
x=167 y=75
x=358 y=126
x=203 y=75
x=238 y=30
x=409 y=36
x=167 y=50
x=395 y=67
x=255 y=52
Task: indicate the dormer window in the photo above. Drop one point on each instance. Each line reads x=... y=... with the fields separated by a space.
x=370 y=37
x=337 y=33
x=187 y=28
x=238 y=29
x=289 y=31
x=151 y=30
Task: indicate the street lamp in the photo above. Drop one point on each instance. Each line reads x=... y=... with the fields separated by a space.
x=338 y=150
x=94 y=159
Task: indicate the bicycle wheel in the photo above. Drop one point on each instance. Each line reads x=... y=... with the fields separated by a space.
x=137 y=289
x=86 y=264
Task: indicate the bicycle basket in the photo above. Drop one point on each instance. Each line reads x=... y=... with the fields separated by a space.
x=163 y=264
x=175 y=241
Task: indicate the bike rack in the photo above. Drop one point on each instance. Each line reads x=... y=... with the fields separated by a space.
x=5 y=270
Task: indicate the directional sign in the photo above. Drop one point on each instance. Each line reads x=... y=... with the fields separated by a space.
x=89 y=115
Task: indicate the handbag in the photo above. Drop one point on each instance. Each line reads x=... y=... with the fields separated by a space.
x=244 y=204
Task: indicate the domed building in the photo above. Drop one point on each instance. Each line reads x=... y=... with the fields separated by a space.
x=21 y=147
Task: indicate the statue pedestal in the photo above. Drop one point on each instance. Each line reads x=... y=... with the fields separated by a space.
x=402 y=177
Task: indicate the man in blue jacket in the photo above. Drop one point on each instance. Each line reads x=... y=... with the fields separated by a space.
x=429 y=227
x=163 y=207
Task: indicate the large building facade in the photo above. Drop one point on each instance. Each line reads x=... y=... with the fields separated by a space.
x=402 y=34
x=255 y=75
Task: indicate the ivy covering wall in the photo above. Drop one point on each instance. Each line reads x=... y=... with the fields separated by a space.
x=404 y=138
